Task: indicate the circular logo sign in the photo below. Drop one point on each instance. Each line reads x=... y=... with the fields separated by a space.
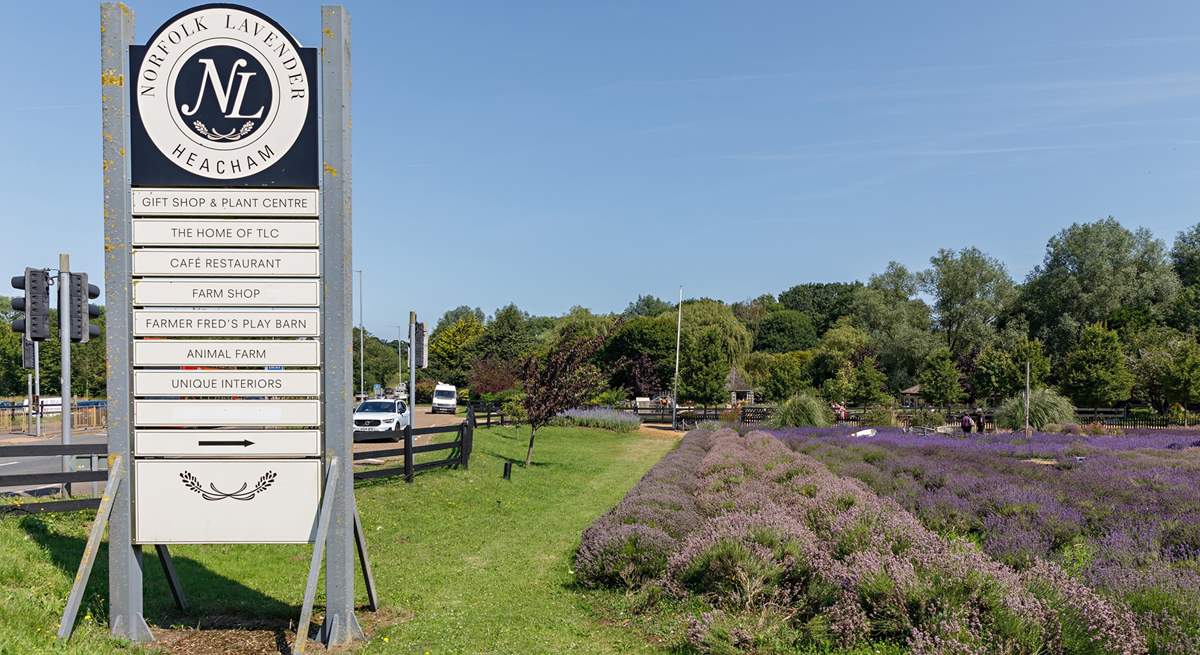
x=222 y=92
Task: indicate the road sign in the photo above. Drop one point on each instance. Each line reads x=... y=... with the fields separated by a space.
x=226 y=501
x=226 y=383
x=205 y=352
x=227 y=443
x=225 y=202
x=232 y=413
x=241 y=262
x=237 y=232
x=223 y=323
x=218 y=293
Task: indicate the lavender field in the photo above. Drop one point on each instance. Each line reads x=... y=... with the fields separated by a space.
x=763 y=548
x=1120 y=514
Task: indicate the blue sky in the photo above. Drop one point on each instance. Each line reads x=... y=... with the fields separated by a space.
x=571 y=153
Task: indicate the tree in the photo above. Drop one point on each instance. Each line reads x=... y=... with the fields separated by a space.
x=647 y=305
x=381 y=361
x=703 y=369
x=786 y=376
x=996 y=375
x=970 y=290
x=457 y=314
x=785 y=331
x=1097 y=272
x=1095 y=373
x=1150 y=357
x=1022 y=350
x=898 y=324
x=1185 y=256
x=868 y=384
x=1184 y=380
x=509 y=336
x=941 y=383
x=702 y=316
x=752 y=312
x=840 y=386
x=491 y=376
x=824 y=302
x=640 y=355
x=579 y=323
x=451 y=348
x=557 y=381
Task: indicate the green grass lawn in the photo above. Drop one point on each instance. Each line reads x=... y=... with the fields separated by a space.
x=465 y=562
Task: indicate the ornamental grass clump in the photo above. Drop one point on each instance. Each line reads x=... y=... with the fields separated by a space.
x=1045 y=407
x=800 y=411
x=785 y=555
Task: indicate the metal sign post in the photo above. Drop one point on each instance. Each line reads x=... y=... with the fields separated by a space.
x=227 y=250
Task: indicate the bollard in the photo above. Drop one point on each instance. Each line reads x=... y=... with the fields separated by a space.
x=508 y=470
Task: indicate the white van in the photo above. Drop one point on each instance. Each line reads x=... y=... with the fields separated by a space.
x=445 y=398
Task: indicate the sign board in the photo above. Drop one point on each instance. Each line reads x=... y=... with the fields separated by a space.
x=193 y=501
x=198 y=232
x=222 y=323
x=225 y=269
x=225 y=202
x=227 y=413
x=226 y=293
x=28 y=354
x=226 y=383
x=241 y=262
x=227 y=443
x=205 y=352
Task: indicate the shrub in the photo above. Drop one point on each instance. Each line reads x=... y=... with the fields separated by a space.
x=604 y=418
x=1045 y=406
x=926 y=418
x=802 y=411
x=881 y=417
x=610 y=397
x=626 y=554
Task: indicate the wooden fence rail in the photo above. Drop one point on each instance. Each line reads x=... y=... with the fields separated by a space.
x=459 y=455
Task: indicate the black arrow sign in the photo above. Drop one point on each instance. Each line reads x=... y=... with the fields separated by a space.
x=243 y=443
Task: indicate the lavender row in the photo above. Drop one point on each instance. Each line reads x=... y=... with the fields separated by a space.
x=1121 y=513
x=788 y=555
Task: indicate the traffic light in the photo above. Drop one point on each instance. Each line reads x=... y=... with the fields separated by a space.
x=421 y=350
x=82 y=312
x=35 y=325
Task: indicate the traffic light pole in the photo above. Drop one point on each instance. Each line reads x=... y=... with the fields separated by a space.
x=64 y=337
x=412 y=368
x=37 y=384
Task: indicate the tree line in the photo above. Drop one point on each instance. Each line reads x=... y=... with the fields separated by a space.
x=1109 y=317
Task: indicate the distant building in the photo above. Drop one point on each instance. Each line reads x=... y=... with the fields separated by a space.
x=739 y=390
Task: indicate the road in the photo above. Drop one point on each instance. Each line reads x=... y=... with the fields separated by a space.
x=22 y=465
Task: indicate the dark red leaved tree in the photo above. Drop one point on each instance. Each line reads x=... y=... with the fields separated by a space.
x=562 y=379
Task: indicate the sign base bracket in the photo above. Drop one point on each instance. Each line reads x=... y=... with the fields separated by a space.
x=318 y=555
x=67 y=625
x=168 y=567
x=360 y=541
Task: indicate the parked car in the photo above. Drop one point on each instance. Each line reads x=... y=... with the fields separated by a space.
x=381 y=419
x=445 y=398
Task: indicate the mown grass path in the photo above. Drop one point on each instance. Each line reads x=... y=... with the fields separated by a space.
x=466 y=562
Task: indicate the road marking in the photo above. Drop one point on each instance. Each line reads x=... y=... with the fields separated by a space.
x=8 y=463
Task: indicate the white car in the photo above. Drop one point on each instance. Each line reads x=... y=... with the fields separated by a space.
x=384 y=419
x=445 y=398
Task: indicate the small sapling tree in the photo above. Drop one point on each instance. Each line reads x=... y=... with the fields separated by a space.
x=557 y=381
